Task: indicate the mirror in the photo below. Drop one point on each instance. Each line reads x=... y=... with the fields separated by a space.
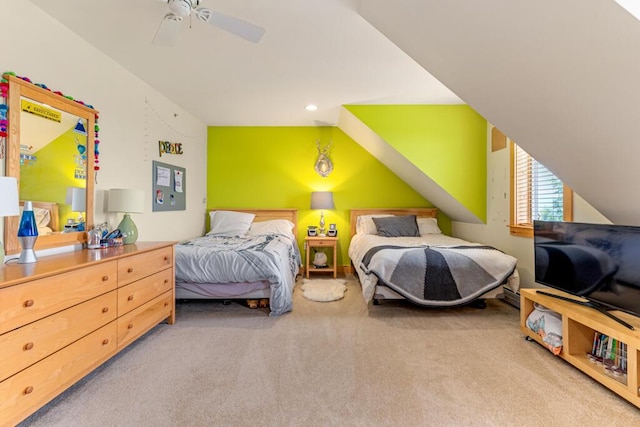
x=50 y=150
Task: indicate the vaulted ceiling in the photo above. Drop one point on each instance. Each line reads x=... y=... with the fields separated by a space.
x=320 y=52
x=560 y=78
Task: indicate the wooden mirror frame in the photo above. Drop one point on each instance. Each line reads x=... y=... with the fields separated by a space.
x=19 y=88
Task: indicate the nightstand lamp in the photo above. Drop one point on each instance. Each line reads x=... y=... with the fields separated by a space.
x=322 y=200
x=126 y=201
x=8 y=203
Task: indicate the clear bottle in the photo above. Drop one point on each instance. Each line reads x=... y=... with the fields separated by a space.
x=93 y=238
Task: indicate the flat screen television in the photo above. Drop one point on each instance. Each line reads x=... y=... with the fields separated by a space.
x=599 y=262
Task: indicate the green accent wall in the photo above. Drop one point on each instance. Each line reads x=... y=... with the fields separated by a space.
x=272 y=167
x=447 y=142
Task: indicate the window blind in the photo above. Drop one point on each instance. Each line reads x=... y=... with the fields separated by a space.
x=539 y=193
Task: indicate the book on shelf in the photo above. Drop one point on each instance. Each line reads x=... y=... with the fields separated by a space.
x=609 y=352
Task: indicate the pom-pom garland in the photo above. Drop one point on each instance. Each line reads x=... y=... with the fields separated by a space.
x=4 y=92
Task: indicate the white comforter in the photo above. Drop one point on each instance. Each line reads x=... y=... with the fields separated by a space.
x=216 y=259
x=361 y=243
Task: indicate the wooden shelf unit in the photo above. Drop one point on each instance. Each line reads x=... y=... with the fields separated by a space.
x=579 y=326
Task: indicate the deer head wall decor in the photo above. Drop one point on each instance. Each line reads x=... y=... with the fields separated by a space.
x=323 y=164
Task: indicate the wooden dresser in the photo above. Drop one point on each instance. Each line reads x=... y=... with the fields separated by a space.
x=65 y=315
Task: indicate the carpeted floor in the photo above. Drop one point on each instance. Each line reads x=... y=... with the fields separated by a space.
x=339 y=363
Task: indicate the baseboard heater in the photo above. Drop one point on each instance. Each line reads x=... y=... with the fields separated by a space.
x=511 y=297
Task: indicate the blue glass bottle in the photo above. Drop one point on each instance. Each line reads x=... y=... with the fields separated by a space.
x=27 y=234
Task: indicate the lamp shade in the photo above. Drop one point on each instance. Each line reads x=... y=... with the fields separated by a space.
x=125 y=200
x=77 y=198
x=9 y=196
x=322 y=200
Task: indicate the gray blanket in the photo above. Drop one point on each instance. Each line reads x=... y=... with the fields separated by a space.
x=216 y=259
x=439 y=276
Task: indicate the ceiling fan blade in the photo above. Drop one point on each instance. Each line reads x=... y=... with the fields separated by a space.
x=168 y=31
x=238 y=27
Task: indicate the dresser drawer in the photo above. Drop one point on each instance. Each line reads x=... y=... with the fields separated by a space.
x=39 y=383
x=138 y=266
x=25 y=346
x=137 y=293
x=143 y=318
x=28 y=302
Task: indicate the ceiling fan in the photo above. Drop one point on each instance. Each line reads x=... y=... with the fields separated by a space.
x=169 y=29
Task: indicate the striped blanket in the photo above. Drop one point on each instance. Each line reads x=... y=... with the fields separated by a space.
x=439 y=275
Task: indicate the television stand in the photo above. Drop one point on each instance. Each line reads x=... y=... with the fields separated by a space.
x=589 y=304
x=580 y=324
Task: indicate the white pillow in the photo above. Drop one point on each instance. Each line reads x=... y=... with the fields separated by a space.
x=428 y=226
x=229 y=223
x=365 y=225
x=280 y=226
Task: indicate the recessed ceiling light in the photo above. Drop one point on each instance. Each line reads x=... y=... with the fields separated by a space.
x=311 y=107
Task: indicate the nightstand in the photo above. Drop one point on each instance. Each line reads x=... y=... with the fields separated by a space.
x=321 y=242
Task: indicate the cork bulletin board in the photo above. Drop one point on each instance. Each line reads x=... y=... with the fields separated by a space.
x=169 y=187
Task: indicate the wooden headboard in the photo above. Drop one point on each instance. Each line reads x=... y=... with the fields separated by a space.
x=52 y=207
x=419 y=212
x=269 y=214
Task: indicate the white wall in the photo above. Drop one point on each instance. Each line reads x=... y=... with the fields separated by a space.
x=496 y=231
x=133 y=117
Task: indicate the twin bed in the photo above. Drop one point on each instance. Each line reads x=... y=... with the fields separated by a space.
x=247 y=254
x=396 y=254
x=402 y=254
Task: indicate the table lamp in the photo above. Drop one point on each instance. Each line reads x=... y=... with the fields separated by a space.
x=8 y=203
x=126 y=201
x=77 y=199
x=322 y=200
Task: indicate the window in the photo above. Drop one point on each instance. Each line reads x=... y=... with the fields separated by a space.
x=536 y=194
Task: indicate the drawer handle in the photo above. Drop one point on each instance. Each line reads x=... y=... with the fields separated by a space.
x=28 y=390
x=130 y=298
x=166 y=280
x=105 y=341
x=28 y=346
x=166 y=303
x=105 y=278
x=130 y=326
x=166 y=259
x=105 y=309
x=28 y=303
x=130 y=270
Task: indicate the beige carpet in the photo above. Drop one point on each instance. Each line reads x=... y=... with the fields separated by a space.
x=337 y=364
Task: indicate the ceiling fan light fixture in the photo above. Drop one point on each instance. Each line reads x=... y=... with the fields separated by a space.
x=169 y=29
x=181 y=8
